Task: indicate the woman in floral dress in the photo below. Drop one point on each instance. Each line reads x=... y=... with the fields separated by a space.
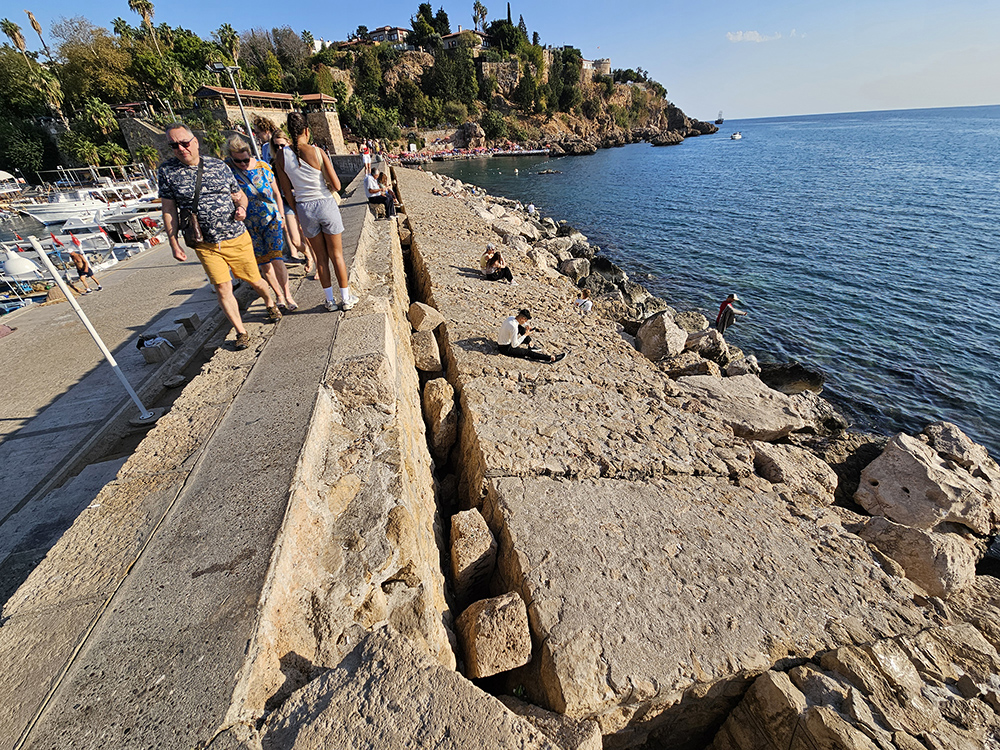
x=264 y=216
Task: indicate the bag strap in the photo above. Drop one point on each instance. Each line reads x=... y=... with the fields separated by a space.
x=197 y=185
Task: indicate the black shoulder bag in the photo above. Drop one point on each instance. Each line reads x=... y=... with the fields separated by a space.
x=190 y=227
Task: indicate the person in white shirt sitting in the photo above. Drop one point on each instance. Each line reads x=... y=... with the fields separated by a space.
x=583 y=303
x=377 y=194
x=514 y=332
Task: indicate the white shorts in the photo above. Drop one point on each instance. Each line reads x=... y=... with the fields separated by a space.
x=319 y=216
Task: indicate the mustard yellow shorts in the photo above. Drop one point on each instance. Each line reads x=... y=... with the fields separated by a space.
x=217 y=258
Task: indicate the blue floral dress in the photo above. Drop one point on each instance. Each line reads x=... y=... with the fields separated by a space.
x=263 y=219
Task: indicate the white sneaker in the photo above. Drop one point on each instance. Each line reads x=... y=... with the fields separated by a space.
x=349 y=302
x=330 y=305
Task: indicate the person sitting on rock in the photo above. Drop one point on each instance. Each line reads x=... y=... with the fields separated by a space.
x=377 y=194
x=488 y=254
x=496 y=269
x=516 y=331
x=727 y=313
x=583 y=303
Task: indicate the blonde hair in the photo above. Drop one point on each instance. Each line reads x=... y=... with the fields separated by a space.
x=237 y=145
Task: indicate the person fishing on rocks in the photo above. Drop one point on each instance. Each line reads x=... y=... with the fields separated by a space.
x=727 y=313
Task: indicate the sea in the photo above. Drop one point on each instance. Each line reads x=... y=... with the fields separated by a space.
x=865 y=245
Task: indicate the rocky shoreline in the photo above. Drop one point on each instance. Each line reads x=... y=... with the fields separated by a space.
x=656 y=426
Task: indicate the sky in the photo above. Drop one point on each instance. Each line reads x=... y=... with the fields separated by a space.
x=768 y=58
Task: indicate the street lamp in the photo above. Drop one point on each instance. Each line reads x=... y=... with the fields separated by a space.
x=220 y=67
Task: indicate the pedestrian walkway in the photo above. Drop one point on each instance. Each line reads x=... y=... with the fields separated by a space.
x=150 y=634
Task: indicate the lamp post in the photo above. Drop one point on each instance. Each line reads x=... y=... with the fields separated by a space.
x=220 y=67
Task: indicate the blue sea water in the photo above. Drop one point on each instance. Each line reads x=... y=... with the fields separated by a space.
x=862 y=244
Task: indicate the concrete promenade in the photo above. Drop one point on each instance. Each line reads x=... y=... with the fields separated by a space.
x=141 y=644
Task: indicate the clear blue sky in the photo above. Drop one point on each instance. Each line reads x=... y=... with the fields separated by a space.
x=750 y=59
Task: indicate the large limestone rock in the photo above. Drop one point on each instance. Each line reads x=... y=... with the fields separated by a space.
x=796 y=468
x=687 y=364
x=441 y=416
x=643 y=591
x=691 y=321
x=494 y=635
x=567 y=733
x=426 y=353
x=916 y=483
x=575 y=269
x=940 y=563
x=710 y=344
x=473 y=555
x=749 y=407
x=908 y=693
x=424 y=317
x=386 y=694
x=659 y=337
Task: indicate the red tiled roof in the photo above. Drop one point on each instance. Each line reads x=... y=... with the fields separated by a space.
x=222 y=90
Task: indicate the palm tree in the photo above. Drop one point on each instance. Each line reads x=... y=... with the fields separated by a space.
x=13 y=32
x=148 y=155
x=38 y=30
x=122 y=29
x=479 y=14
x=229 y=40
x=144 y=9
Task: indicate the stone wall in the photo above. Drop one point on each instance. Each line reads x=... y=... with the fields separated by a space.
x=359 y=544
x=507 y=75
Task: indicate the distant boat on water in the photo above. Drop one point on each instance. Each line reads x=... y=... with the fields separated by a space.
x=719 y=120
x=736 y=136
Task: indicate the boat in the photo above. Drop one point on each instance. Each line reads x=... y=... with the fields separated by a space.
x=719 y=120
x=80 y=193
x=737 y=136
x=10 y=186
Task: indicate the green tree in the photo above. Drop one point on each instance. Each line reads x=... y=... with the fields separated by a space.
x=144 y=9
x=99 y=117
x=361 y=33
x=229 y=41
x=273 y=75
x=525 y=95
x=95 y=63
x=441 y=23
x=367 y=73
x=22 y=146
x=122 y=29
x=13 y=32
x=523 y=28
x=113 y=155
x=148 y=155
x=308 y=39
x=493 y=125
x=506 y=37
x=479 y=12
x=214 y=141
x=79 y=147
x=423 y=34
x=455 y=112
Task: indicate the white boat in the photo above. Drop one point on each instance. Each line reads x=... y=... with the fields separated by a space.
x=736 y=136
x=10 y=186
x=84 y=203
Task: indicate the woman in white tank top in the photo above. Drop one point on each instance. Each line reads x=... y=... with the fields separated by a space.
x=306 y=176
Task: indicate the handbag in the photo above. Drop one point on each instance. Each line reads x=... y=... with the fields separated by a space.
x=190 y=226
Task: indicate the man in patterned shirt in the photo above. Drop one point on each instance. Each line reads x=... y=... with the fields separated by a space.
x=227 y=244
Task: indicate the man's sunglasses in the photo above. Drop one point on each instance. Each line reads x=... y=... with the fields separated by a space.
x=180 y=144
x=242 y=161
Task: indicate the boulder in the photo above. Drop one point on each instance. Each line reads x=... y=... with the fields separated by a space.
x=798 y=469
x=710 y=344
x=742 y=366
x=559 y=246
x=517 y=242
x=441 y=416
x=691 y=321
x=566 y=733
x=940 y=563
x=666 y=138
x=473 y=555
x=575 y=268
x=424 y=317
x=687 y=364
x=426 y=353
x=605 y=267
x=634 y=294
x=749 y=407
x=386 y=694
x=584 y=250
x=600 y=286
x=658 y=337
x=542 y=258
x=494 y=635
x=792 y=378
x=913 y=484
